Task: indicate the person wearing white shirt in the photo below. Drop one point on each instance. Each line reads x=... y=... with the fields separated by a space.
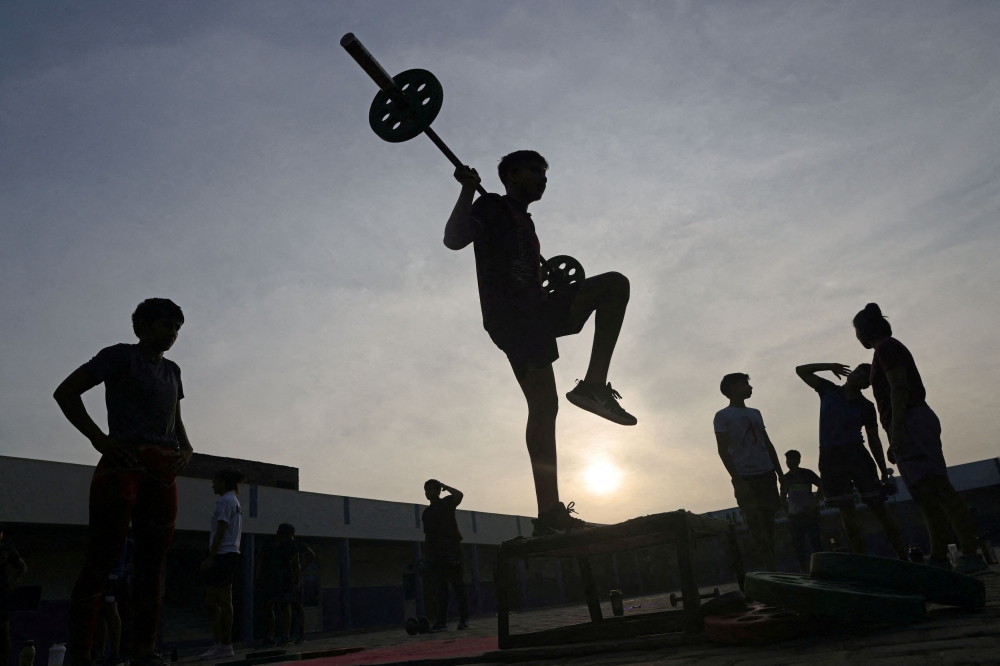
x=223 y=561
x=752 y=463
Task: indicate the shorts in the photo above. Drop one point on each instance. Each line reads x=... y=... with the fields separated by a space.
x=527 y=334
x=844 y=468
x=223 y=570
x=763 y=495
x=927 y=458
x=112 y=589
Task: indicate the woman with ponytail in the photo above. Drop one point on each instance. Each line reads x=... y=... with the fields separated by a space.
x=915 y=441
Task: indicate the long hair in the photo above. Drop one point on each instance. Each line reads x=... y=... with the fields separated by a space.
x=870 y=323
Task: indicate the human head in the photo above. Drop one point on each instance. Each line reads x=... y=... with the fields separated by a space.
x=226 y=479
x=156 y=322
x=286 y=531
x=870 y=326
x=793 y=459
x=523 y=174
x=432 y=489
x=860 y=377
x=736 y=385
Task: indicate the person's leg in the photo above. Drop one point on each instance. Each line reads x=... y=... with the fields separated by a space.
x=112 y=502
x=153 y=521
x=114 y=621
x=441 y=578
x=299 y=613
x=815 y=535
x=797 y=530
x=98 y=644
x=284 y=620
x=889 y=528
x=852 y=528
x=758 y=524
x=935 y=518
x=538 y=383
x=213 y=609
x=458 y=583
x=269 y=621
x=5 y=641
x=607 y=295
x=962 y=521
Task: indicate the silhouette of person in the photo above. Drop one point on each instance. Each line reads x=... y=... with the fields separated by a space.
x=444 y=552
x=752 y=463
x=222 y=565
x=523 y=320
x=915 y=441
x=144 y=450
x=9 y=557
x=803 y=508
x=844 y=463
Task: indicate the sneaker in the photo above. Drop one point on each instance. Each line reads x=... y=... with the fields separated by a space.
x=601 y=400
x=282 y=641
x=210 y=653
x=218 y=651
x=152 y=659
x=437 y=627
x=939 y=564
x=299 y=640
x=557 y=520
x=463 y=625
x=971 y=564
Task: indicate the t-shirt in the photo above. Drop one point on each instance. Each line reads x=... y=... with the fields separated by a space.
x=889 y=355
x=9 y=557
x=745 y=427
x=441 y=526
x=227 y=508
x=508 y=268
x=840 y=419
x=141 y=394
x=799 y=483
x=278 y=564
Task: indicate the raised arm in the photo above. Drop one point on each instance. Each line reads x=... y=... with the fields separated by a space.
x=68 y=397
x=461 y=230
x=807 y=373
x=455 y=492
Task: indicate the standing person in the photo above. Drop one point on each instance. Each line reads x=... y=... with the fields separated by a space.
x=108 y=632
x=844 y=463
x=752 y=463
x=279 y=574
x=803 y=508
x=144 y=450
x=915 y=441
x=444 y=552
x=306 y=556
x=223 y=561
x=9 y=558
x=524 y=320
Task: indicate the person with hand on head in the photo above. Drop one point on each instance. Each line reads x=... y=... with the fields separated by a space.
x=915 y=441
x=223 y=562
x=279 y=576
x=844 y=463
x=144 y=450
x=524 y=320
x=752 y=463
x=803 y=508
x=9 y=559
x=444 y=560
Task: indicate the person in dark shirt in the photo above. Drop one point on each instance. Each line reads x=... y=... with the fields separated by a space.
x=9 y=559
x=444 y=557
x=524 y=320
x=803 y=508
x=915 y=441
x=144 y=450
x=844 y=463
x=279 y=575
x=306 y=557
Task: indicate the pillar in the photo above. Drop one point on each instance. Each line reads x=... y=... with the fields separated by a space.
x=345 y=582
x=477 y=586
x=246 y=614
x=418 y=580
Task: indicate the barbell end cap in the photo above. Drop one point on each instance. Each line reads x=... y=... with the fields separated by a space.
x=347 y=39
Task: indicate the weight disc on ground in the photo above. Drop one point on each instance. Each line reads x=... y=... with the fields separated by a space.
x=757 y=625
x=561 y=271
x=834 y=599
x=938 y=586
x=412 y=626
x=423 y=625
x=424 y=96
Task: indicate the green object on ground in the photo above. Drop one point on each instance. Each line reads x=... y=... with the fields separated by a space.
x=833 y=599
x=424 y=96
x=939 y=586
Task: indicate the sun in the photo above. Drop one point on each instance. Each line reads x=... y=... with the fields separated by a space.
x=602 y=476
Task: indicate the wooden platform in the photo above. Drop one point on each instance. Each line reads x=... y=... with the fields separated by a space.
x=681 y=528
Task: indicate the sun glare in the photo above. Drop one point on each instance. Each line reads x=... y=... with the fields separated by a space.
x=602 y=476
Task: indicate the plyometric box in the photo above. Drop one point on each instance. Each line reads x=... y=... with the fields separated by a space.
x=681 y=528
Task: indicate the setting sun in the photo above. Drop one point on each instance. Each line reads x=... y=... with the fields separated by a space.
x=602 y=476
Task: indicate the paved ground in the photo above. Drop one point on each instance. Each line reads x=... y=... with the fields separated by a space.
x=948 y=637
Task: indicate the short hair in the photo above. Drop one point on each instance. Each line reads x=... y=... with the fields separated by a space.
x=152 y=309
x=866 y=371
x=230 y=476
x=792 y=453
x=730 y=379
x=432 y=483
x=517 y=159
x=871 y=323
x=286 y=529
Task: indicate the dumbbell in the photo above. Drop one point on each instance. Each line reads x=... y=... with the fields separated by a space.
x=674 y=599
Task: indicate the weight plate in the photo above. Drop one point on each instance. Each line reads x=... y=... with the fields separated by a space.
x=424 y=96
x=412 y=626
x=423 y=625
x=938 y=586
x=757 y=625
x=561 y=271
x=835 y=599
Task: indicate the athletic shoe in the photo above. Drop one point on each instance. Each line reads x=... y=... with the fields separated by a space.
x=299 y=640
x=437 y=627
x=557 y=520
x=971 y=564
x=462 y=625
x=600 y=400
x=218 y=651
x=152 y=659
x=282 y=641
x=939 y=564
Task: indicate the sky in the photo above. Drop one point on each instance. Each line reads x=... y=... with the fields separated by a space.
x=759 y=171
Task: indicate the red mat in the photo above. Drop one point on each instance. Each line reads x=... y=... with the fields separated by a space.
x=446 y=648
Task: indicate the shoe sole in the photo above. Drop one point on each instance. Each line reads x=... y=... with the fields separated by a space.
x=596 y=408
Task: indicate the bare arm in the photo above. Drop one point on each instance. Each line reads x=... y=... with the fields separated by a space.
x=457 y=494
x=310 y=557
x=807 y=373
x=68 y=397
x=722 y=439
x=773 y=455
x=900 y=396
x=296 y=565
x=461 y=229
x=182 y=457
x=875 y=444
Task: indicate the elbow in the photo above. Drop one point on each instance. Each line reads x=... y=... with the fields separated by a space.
x=801 y=371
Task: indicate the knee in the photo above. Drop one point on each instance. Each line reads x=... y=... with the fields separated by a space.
x=618 y=284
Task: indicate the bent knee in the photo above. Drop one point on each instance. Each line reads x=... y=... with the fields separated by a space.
x=617 y=283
